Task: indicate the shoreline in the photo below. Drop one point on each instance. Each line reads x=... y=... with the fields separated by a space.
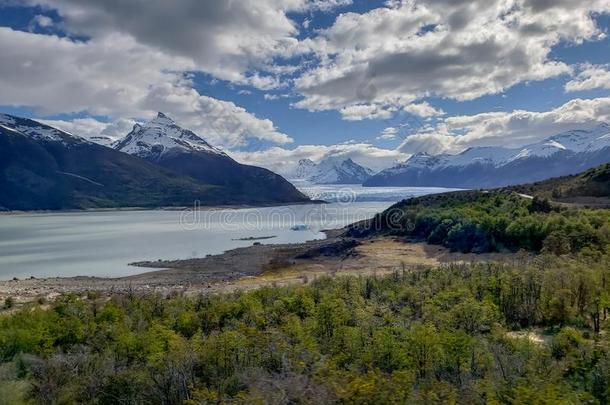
x=252 y=267
x=166 y=208
x=165 y=275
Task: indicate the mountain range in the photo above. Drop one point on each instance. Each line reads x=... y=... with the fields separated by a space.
x=481 y=167
x=42 y=167
x=331 y=170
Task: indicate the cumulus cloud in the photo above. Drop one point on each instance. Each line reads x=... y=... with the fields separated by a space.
x=590 y=77
x=228 y=39
x=129 y=63
x=388 y=134
x=363 y=111
x=92 y=129
x=116 y=77
x=395 y=55
x=41 y=21
x=221 y=122
x=511 y=129
x=283 y=160
x=424 y=110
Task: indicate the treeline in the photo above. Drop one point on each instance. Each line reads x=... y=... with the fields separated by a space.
x=433 y=335
x=493 y=221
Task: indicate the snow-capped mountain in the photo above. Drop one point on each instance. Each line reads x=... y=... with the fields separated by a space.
x=331 y=170
x=161 y=136
x=42 y=167
x=566 y=153
x=305 y=169
x=180 y=150
x=37 y=131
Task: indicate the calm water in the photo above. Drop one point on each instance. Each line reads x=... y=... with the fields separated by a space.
x=103 y=243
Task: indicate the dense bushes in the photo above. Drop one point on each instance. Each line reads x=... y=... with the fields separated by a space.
x=494 y=221
x=417 y=336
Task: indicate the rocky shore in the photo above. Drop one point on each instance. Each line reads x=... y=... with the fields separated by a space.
x=252 y=267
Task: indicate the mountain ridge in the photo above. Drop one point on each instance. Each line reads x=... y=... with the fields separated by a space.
x=331 y=170
x=44 y=168
x=164 y=143
x=562 y=154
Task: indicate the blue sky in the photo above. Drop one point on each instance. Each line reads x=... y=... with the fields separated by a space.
x=274 y=81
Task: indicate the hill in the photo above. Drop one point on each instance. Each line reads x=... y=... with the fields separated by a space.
x=489 y=221
x=591 y=188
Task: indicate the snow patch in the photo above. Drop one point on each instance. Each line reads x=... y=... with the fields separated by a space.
x=161 y=136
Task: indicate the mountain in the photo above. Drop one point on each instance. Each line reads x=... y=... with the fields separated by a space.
x=44 y=168
x=305 y=169
x=479 y=167
x=331 y=171
x=162 y=142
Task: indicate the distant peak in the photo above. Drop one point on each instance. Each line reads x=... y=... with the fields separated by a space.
x=162 y=119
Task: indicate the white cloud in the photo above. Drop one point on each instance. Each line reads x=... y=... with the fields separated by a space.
x=388 y=134
x=268 y=96
x=364 y=111
x=590 y=77
x=116 y=77
x=284 y=160
x=92 y=129
x=511 y=129
x=231 y=40
x=41 y=21
x=395 y=55
x=424 y=110
x=221 y=122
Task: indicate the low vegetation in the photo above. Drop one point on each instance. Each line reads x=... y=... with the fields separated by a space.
x=433 y=335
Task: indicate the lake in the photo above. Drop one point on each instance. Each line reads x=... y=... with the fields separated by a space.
x=102 y=243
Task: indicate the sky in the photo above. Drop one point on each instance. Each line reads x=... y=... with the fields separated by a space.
x=275 y=81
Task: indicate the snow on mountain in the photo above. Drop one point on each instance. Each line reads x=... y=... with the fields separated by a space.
x=161 y=136
x=575 y=141
x=582 y=140
x=36 y=130
x=102 y=140
x=331 y=171
x=576 y=145
x=305 y=169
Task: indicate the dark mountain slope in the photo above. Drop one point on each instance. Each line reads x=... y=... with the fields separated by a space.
x=44 y=174
x=164 y=143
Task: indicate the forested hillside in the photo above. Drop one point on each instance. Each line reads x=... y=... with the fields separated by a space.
x=488 y=221
x=591 y=187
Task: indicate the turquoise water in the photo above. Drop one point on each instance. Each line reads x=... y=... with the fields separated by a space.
x=103 y=243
